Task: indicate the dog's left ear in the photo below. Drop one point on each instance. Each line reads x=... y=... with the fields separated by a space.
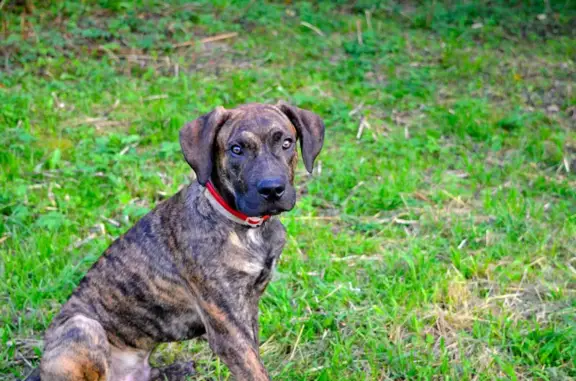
x=197 y=139
x=310 y=130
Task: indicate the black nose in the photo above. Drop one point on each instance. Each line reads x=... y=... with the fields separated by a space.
x=271 y=189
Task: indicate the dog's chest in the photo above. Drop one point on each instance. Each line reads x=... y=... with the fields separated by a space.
x=252 y=254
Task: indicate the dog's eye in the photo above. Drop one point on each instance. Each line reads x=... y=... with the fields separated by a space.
x=287 y=144
x=236 y=149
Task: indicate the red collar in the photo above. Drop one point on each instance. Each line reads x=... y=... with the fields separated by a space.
x=220 y=204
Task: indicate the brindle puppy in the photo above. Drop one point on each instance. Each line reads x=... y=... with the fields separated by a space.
x=198 y=263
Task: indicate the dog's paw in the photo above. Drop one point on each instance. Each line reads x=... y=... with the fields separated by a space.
x=179 y=371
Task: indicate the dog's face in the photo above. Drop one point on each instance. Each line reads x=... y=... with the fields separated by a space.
x=255 y=160
x=250 y=153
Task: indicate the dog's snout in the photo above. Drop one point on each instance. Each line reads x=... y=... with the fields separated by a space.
x=271 y=189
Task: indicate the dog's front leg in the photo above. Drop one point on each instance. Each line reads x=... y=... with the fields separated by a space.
x=233 y=336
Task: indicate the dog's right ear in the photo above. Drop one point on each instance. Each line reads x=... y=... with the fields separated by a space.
x=197 y=139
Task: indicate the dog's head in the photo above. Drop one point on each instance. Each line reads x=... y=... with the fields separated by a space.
x=250 y=155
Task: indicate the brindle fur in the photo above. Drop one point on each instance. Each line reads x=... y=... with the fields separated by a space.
x=184 y=269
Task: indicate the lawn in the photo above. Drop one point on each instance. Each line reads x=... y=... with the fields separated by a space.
x=436 y=238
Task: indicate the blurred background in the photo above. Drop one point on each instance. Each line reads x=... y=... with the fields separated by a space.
x=436 y=237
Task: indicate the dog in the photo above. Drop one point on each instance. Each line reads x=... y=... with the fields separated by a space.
x=198 y=263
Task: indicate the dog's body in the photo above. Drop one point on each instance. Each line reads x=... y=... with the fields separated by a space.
x=181 y=268
x=187 y=268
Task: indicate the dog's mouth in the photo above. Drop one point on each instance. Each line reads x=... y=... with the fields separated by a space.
x=259 y=211
x=275 y=211
x=256 y=207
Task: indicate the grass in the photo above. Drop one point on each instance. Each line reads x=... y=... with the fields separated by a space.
x=435 y=243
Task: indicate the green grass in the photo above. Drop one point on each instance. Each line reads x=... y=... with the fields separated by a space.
x=438 y=245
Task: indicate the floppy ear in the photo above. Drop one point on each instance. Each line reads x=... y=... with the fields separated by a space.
x=310 y=130
x=197 y=139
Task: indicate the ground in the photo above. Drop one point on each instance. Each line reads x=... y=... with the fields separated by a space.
x=435 y=239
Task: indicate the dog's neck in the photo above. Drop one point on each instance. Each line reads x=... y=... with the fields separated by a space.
x=223 y=191
x=228 y=210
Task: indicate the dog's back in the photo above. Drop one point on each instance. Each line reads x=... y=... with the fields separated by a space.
x=133 y=297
